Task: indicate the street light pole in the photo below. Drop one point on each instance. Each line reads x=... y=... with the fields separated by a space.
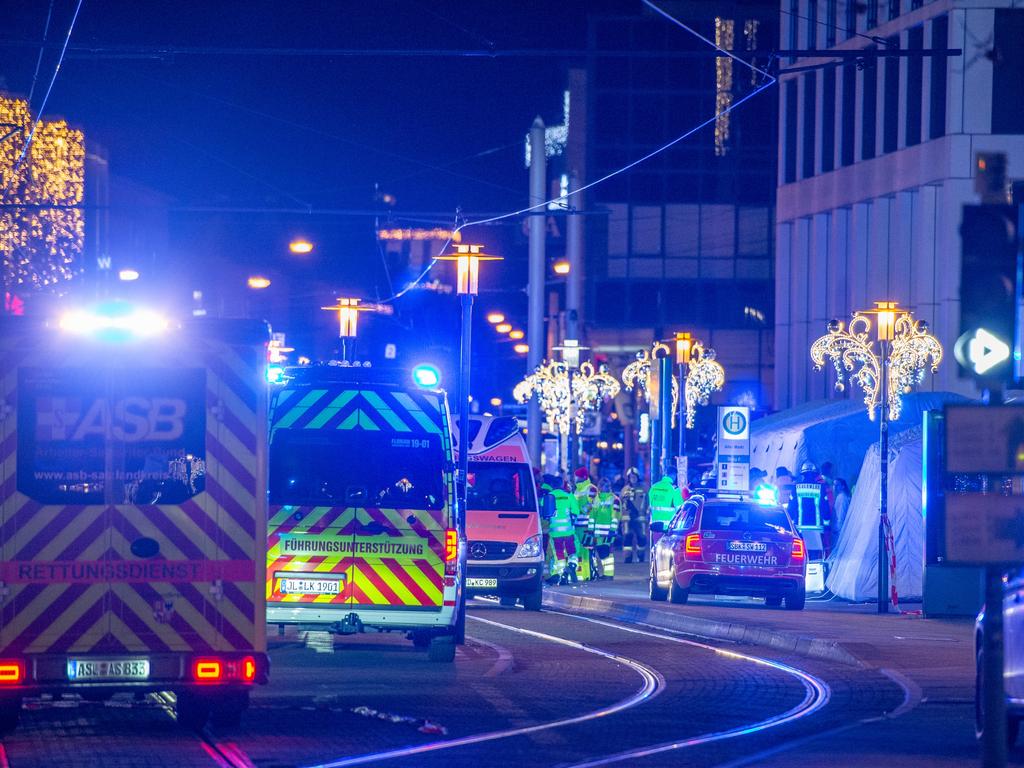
x=465 y=350
x=883 y=459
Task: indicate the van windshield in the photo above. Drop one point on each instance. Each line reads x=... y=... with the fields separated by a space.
x=504 y=487
x=356 y=468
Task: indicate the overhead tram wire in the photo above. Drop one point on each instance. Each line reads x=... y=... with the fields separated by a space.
x=49 y=89
x=767 y=82
x=42 y=50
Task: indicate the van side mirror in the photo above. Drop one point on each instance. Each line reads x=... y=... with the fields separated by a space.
x=658 y=527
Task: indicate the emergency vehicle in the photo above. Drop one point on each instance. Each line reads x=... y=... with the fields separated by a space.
x=132 y=510
x=730 y=546
x=364 y=531
x=505 y=552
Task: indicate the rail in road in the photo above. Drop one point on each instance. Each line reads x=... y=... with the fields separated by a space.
x=644 y=654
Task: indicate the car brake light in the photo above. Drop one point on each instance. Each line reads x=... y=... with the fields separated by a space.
x=798 y=549
x=208 y=670
x=451 y=551
x=692 y=544
x=12 y=672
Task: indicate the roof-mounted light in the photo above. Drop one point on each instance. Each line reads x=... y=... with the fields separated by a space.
x=114 y=321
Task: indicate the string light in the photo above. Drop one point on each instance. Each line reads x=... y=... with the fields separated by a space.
x=724 y=37
x=704 y=376
x=912 y=350
x=550 y=384
x=42 y=227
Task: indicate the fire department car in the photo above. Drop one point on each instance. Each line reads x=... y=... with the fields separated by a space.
x=132 y=512
x=730 y=546
x=363 y=528
x=505 y=552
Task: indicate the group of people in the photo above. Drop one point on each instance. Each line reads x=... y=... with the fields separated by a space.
x=583 y=521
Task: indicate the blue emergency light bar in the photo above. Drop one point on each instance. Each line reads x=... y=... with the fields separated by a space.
x=426 y=376
x=114 y=321
x=766 y=495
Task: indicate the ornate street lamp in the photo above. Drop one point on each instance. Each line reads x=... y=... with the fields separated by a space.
x=905 y=350
x=348 y=310
x=467 y=259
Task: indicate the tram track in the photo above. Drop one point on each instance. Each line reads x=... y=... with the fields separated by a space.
x=816 y=696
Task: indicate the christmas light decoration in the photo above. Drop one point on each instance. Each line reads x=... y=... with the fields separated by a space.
x=560 y=390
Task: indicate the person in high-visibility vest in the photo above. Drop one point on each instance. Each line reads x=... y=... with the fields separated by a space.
x=547 y=511
x=665 y=500
x=561 y=531
x=810 y=511
x=605 y=517
x=585 y=493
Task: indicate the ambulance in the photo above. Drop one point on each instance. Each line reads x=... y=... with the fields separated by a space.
x=132 y=510
x=505 y=554
x=363 y=532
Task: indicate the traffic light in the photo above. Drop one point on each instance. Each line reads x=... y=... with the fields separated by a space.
x=990 y=289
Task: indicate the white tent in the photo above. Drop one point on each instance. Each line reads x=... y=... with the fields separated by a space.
x=830 y=430
x=853 y=564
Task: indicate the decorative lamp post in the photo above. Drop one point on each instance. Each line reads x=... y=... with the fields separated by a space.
x=905 y=350
x=570 y=350
x=467 y=259
x=684 y=346
x=348 y=310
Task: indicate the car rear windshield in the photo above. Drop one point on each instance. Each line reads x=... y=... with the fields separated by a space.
x=356 y=468
x=501 y=487
x=745 y=517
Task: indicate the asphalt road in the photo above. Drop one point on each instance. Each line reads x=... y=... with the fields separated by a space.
x=528 y=689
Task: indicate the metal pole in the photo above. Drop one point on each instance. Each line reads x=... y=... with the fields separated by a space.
x=682 y=415
x=348 y=348
x=883 y=457
x=665 y=372
x=993 y=743
x=535 y=318
x=572 y=437
x=464 y=370
x=574 y=253
x=655 y=442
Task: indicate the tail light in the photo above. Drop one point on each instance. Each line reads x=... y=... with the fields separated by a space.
x=12 y=672
x=798 y=549
x=451 y=552
x=692 y=546
x=211 y=670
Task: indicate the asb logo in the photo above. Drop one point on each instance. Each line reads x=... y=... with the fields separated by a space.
x=979 y=351
x=734 y=423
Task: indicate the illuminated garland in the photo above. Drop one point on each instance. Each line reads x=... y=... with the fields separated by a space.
x=41 y=244
x=704 y=376
x=550 y=385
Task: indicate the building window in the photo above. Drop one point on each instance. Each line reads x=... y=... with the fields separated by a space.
x=810 y=114
x=828 y=118
x=846 y=153
x=891 y=118
x=894 y=9
x=937 y=102
x=812 y=24
x=1007 y=83
x=872 y=14
x=915 y=85
x=789 y=166
x=851 y=18
x=830 y=23
x=914 y=4
x=869 y=109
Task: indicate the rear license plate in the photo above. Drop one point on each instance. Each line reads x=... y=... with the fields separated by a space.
x=80 y=670
x=310 y=586
x=481 y=583
x=747 y=546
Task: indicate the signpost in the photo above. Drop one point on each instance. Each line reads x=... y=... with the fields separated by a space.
x=733 y=448
x=984 y=525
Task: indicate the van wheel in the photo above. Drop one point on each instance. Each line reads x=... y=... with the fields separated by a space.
x=442 y=649
x=773 y=601
x=795 y=601
x=192 y=711
x=677 y=594
x=534 y=600
x=226 y=712
x=507 y=601
x=658 y=594
x=10 y=713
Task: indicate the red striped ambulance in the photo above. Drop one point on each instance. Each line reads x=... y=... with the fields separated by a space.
x=363 y=532
x=132 y=512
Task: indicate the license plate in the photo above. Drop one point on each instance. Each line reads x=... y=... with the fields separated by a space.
x=747 y=546
x=481 y=583
x=310 y=586
x=108 y=669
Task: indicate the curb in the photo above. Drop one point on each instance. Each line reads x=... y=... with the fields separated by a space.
x=813 y=647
